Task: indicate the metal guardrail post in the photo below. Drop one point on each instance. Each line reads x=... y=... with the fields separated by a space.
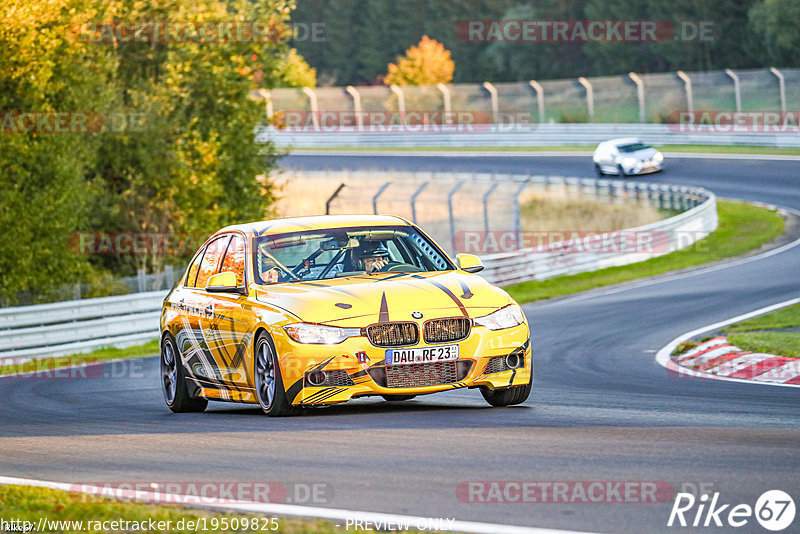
x=589 y=96
x=687 y=84
x=450 y=196
x=332 y=198
x=536 y=86
x=737 y=89
x=495 y=103
x=314 y=103
x=419 y=190
x=377 y=195
x=781 y=85
x=486 y=205
x=352 y=91
x=445 y=97
x=639 y=94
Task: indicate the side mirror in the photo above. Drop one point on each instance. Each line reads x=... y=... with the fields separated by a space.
x=224 y=283
x=469 y=263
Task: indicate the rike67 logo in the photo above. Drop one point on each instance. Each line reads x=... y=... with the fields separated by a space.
x=774 y=510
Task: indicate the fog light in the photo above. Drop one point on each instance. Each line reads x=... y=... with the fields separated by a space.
x=514 y=361
x=316 y=378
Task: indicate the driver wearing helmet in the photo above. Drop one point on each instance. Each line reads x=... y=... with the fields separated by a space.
x=373 y=256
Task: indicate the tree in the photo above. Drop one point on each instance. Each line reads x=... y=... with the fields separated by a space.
x=774 y=23
x=427 y=63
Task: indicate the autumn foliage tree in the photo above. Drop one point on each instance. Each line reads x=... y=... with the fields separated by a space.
x=427 y=63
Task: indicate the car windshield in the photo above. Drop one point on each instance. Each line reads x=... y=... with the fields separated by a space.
x=340 y=252
x=633 y=147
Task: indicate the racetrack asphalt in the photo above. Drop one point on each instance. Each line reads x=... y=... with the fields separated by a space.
x=601 y=410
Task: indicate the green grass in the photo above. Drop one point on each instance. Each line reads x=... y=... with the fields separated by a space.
x=709 y=149
x=742 y=228
x=107 y=354
x=778 y=343
x=784 y=318
x=29 y=504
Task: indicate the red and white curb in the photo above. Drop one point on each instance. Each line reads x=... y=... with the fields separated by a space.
x=717 y=359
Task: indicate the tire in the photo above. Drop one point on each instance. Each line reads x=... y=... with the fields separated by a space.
x=173 y=380
x=598 y=170
x=621 y=172
x=508 y=396
x=270 y=392
x=397 y=398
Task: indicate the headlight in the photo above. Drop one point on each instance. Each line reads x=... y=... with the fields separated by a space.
x=318 y=334
x=507 y=317
x=659 y=157
x=629 y=162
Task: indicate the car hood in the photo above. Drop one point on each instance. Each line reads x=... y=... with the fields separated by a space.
x=367 y=299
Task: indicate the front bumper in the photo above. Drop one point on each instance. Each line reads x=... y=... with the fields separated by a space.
x=361 y=362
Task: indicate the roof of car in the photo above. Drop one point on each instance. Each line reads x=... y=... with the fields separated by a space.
x=297 y=224
x=622 y=141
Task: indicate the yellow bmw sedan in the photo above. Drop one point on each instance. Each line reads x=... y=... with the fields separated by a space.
x=315 y=311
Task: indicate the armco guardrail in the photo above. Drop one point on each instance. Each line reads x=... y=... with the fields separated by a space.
x=60 y=328
x=524 y=136
x=572 y=257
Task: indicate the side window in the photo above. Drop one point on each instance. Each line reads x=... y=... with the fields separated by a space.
x=211 y=259
x=234 y=259
x=192 y=276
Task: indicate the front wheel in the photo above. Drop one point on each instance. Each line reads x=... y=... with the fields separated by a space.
x=621 y=172
x=508 y=396
x=599 y=170
x=269 y=383
x=173 y=380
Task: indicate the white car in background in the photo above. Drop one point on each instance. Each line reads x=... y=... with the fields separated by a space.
x=626 y=156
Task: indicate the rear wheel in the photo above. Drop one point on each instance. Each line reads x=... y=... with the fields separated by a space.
x=508 y=396
x=173 y=380
x=269 y=383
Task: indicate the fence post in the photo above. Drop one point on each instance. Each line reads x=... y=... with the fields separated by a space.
x=414 y=201
x=352 y=91
x=141 y=280
x=267 y=96
x=450 y=196
x=495 y=104
x=332 y=198
x=737 y=90
x=377 y=195
x=539 y=97
x=589 y=96
x=445 y=97
x=486 y=206
x=639 y=94
x=517 y=212
x=782 y=86
x=312 y=100
x=401 y=101
x=687 y=84
x=169 y=276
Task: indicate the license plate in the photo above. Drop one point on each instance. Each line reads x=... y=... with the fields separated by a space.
x=422 y=355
